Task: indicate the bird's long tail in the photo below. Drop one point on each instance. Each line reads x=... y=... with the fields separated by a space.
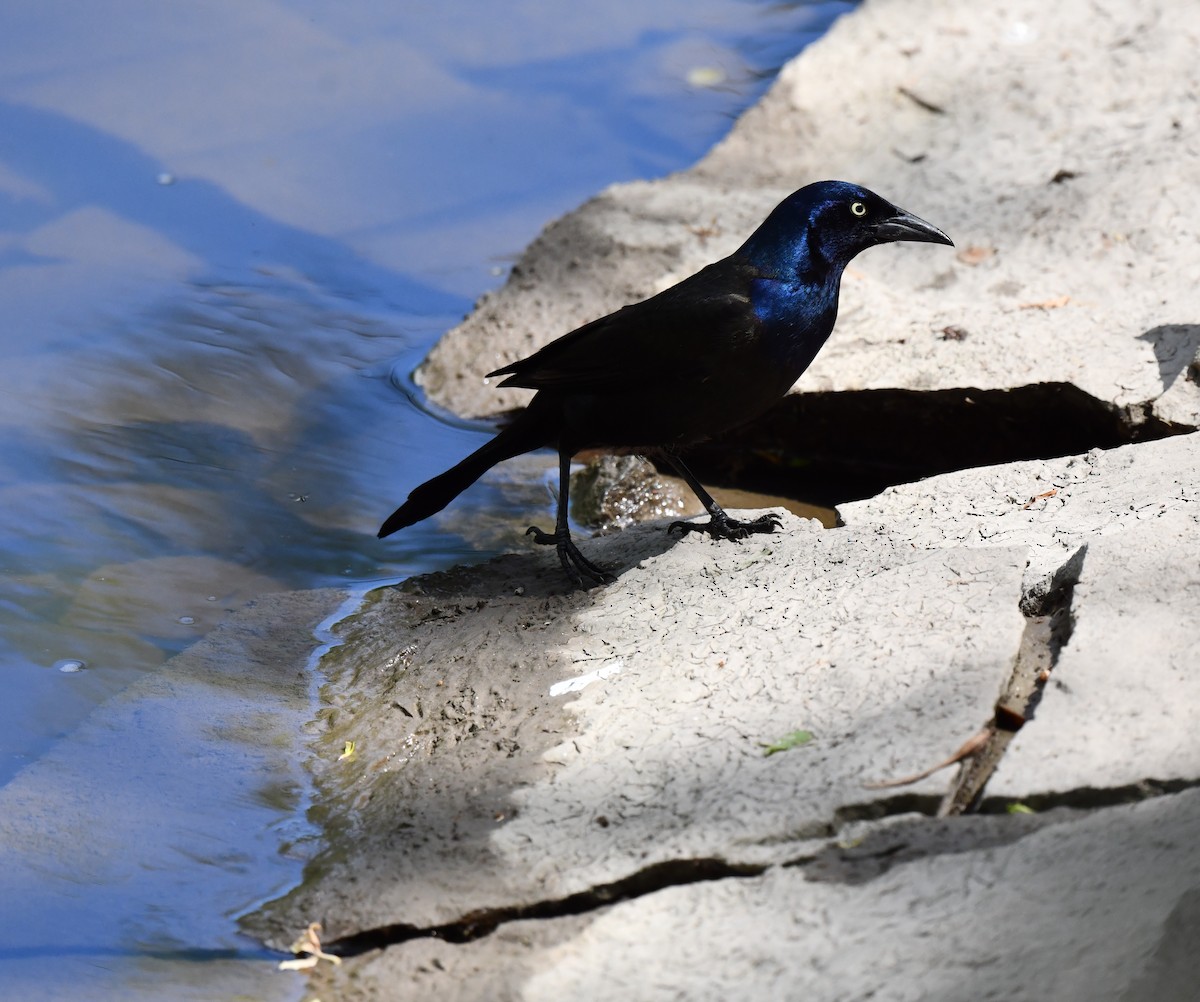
x=533 y=428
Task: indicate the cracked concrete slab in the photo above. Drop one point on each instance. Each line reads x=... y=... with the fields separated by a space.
x=475 y=788
x=1121 y=530
x=487 y=970
x=1113 y=898
x=890 y=639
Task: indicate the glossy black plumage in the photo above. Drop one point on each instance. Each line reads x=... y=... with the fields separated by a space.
x=702 y=357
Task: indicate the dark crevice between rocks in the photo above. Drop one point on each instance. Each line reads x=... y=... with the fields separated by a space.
x=885 y=807
x=860 y=860
x=830 y=448
x=1089 y=798
x=483 y=922
x=877 y=850
x=1048 y=627
x=852 y=862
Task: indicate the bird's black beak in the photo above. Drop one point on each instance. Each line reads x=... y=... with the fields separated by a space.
x=905 y=226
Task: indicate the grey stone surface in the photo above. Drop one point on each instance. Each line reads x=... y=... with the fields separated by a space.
x=1073 y=906
x=1054 y=506
x=492 y=969
x=443 y=688
x=1121 y=708
x=890 y=656
x=1122 y=527
x=482 y=782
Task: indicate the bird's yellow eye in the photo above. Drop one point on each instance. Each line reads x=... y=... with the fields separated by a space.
x=858 y=208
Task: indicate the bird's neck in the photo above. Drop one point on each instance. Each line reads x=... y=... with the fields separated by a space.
x=790 y=255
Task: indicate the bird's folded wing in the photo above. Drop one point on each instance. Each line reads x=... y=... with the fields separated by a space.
x=678 y=335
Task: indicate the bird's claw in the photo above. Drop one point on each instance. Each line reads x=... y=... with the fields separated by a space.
x=577 y=566
x=721 y=526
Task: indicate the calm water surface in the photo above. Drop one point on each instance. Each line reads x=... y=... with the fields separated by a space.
x=228 y=232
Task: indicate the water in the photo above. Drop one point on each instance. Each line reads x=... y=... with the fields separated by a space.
x=228 y=232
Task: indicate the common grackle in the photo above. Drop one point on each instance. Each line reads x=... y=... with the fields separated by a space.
x=693 y=361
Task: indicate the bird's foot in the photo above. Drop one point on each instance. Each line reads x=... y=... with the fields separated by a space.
x=721 y=526
x=577 y=566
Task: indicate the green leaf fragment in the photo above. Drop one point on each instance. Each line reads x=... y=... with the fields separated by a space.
x=793 y=740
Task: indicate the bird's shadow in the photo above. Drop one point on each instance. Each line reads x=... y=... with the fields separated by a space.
x=535 y=572
x=1175 y=346
x=624 y=549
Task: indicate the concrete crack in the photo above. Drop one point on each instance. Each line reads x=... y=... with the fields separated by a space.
x=866 y=857
x=885 y=807
x=484 y=921
x=852 y=861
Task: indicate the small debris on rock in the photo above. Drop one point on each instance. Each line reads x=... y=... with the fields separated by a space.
x=1038 y=497
x=975 y=254
x=310 y=943
x=921 y=102
x=972 y=746
x=1046 y=304
x=787 y=742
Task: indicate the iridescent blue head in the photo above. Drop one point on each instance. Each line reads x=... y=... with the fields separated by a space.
x=814 y=232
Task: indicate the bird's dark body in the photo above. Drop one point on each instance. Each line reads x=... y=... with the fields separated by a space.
x=706 y=377
x=696 y=360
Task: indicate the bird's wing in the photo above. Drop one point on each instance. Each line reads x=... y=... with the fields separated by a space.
x=663 y=338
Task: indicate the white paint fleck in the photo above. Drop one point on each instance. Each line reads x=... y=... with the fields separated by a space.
x=582 y=681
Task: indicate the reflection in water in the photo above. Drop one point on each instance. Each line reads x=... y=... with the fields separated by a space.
x=127 y=849
x=193 y=460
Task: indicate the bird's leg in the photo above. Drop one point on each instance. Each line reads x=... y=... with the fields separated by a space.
x=573 y=562
x=719 y=525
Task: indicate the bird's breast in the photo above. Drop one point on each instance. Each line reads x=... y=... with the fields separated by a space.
x=795 y=319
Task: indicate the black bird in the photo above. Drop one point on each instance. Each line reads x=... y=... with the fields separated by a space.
x=704 y=356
